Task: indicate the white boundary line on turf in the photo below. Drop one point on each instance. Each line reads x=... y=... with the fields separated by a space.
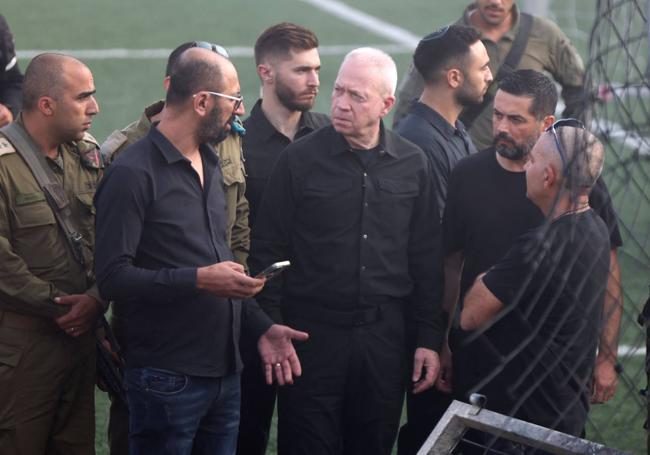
x=161 y=54
x=630 y=351
x=367 y=22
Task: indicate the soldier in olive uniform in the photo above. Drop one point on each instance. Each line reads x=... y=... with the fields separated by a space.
x=237 y=230
x=48 y=303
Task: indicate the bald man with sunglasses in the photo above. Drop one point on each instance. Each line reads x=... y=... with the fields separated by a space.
x=549 y=289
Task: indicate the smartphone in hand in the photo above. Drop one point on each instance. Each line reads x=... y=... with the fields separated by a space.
x=273 y=270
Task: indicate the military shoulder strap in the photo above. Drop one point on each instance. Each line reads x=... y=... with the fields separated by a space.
x=54 y=192
x=509 y=65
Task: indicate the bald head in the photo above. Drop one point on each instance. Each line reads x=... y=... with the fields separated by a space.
x=584 y=157
x=47 y=75
x=197 y=69
x=378 y=62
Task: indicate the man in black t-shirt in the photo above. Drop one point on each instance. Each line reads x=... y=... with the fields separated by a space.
x=487 y=209
x=549 y=289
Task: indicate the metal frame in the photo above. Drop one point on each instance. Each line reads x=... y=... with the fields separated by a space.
x=461 y=416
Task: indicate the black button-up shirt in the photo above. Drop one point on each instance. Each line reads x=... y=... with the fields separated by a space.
x=262 y=145
x=355 y=233
x=155 y=226
x=443 y=144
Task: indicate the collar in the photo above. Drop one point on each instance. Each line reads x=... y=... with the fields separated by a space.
x=152 y=110
x=170 y=152
x=265 y=129
x=340 y=145
x=438 y=121
x=509 y=35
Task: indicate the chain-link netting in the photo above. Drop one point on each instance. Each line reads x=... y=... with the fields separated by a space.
x=570 y=293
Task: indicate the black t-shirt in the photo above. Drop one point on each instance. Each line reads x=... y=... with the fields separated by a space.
x=552 y=284
x=487 y=209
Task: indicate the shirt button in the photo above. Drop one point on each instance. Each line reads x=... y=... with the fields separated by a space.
x=365 y=236
x=363 y=268
x=365 y=204
x=365 y=174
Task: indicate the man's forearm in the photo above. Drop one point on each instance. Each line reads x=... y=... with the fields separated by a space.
x=612 y=312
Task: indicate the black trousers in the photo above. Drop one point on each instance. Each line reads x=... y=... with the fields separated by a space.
x=423 y=411
x=257 y=402
x=349 y=397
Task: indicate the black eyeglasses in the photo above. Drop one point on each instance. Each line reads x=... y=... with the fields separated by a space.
x=437 y=34
x=572 y=122
x=212 y=47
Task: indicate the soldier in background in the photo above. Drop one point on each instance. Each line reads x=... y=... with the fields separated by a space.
x=48 y=303
x=547 y=49
x=11 y=79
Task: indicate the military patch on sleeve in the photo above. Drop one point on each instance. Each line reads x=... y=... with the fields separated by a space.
x=112 y=143
x=6 y=147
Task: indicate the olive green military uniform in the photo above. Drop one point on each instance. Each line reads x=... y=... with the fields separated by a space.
x=232 y=168
x=237 y=231
x=47 y=377
x=548 y=50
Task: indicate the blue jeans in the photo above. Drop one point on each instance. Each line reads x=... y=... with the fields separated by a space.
x=173 y=413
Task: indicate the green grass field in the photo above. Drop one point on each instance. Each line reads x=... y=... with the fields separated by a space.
x=126 y=85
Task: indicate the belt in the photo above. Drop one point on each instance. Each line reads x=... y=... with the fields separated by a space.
x=355 y=318
x=24 y=322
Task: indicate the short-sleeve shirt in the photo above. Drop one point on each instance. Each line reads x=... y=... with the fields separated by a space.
x=552 y=285
x=487 y=209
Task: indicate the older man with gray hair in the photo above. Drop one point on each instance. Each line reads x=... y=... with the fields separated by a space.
x=550 y=287
x=352 y=207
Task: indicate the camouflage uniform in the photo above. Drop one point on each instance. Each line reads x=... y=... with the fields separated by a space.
x=237 y=231
x=47 y=377
x=548 y=50
x=232 y=168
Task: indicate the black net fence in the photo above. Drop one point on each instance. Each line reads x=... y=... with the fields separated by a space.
x=535 y=359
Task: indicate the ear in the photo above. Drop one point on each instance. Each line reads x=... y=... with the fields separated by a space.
x=46 y=105
x=265 y=73
x=455 y=78
x=550 y=176
x=200 y=103
x=547 y=122
x=389 y=102
x=166 y=81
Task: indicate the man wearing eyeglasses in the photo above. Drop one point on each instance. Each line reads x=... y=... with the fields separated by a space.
x=549 y=288
x=545 y=48
x=487 y=209
x=237 y=230
x=288 y=66
x=163 y=259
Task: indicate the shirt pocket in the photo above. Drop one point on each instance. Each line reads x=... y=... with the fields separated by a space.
x=232 y=173
x=35 y=235
x=396 y=200
x=325 y=205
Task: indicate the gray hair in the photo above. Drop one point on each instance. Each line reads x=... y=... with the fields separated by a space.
x=380 y=61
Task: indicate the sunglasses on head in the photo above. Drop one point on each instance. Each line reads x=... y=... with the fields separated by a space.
x=572 y=122
x=212 y=47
